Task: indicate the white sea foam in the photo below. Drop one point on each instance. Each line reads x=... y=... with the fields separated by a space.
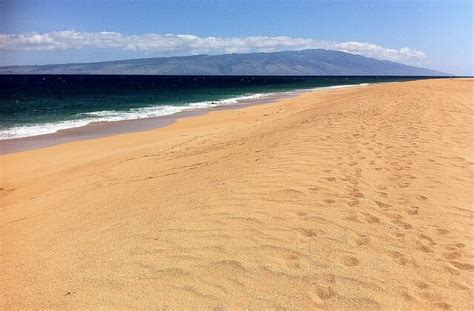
x=40 y=129
x=84 y=119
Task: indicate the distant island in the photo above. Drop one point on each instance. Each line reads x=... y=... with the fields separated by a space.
x=314 y=62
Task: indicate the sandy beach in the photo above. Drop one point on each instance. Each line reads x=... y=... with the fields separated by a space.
x=354 y=199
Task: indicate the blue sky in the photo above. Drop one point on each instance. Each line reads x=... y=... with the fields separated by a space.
x=435 y=34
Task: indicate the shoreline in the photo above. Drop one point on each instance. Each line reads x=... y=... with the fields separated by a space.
x=111 y=128
x=354 y=198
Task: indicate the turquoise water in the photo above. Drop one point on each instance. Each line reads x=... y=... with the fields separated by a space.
x=40 y=104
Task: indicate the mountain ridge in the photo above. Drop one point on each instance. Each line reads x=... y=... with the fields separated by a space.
x=312 y=62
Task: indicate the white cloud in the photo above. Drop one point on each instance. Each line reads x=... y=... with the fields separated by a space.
x=166 y=44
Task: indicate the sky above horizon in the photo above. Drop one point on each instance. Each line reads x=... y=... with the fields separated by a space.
x=432 y=34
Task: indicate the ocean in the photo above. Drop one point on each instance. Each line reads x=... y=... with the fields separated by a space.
x=32 y=105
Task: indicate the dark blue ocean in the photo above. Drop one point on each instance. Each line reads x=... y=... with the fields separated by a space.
x=40 y=104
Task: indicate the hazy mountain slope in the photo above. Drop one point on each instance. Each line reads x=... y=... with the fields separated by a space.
x=306 y=62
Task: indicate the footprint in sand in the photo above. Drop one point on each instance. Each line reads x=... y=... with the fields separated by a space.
x=359 y=239
x=424 y=248
x=402 y=224
x=353 y=218
x=421 y=285
x=412 y=211
x=329 y=277
x=400 y=235
x=452 y=255
x=442 y=305
x=307 y=232
x=427 y=238
x=383 y=205
x=453 y=247
x=292 y=261
x=422 y=197
x=358 y=194
x=350 y=261
x=398 y=257
x=371 y=219
x=353 y=203
x=462 y=266
x=459 y=285
x=313 y=189
x=325 y=293
x=441 y=231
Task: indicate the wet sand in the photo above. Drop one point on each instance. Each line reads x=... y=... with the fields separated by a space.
x=104 y=129
x=355 y=198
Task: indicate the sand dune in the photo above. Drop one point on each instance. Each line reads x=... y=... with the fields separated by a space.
x=356 y=198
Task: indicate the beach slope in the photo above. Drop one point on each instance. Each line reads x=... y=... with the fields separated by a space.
x=356 y=198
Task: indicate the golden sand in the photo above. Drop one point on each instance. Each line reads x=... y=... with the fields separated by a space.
x=356 y=198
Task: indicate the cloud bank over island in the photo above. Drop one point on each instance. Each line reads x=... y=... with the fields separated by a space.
x=186 y=44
